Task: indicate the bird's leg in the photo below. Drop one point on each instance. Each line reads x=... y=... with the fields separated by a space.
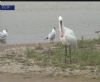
x=70 y=54
x=52 y=42
x=65 y=53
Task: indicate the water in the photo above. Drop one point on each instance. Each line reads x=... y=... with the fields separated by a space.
x=30 y=22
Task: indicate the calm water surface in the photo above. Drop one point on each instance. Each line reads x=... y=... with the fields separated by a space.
x=32 y=21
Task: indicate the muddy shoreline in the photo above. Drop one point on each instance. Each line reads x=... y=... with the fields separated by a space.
x=14 y=63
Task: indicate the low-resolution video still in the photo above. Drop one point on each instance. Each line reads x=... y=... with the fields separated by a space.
x=49 y=41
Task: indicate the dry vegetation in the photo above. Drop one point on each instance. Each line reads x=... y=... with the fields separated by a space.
x=49 y=59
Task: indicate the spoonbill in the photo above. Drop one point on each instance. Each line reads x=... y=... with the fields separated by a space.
x=3 y=35
x=51 y=35
x=67 y=38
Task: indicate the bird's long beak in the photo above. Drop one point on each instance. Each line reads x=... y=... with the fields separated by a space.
x=61 y=25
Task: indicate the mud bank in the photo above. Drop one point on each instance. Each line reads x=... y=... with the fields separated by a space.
x=13 y=60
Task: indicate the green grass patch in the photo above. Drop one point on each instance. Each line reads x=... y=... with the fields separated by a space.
x=85 y=55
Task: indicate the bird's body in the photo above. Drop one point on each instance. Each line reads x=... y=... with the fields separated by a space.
x=3 y=34
x=51 y=35
x=67 y=37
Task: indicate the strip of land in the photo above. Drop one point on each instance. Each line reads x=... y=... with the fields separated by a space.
x=44 y=62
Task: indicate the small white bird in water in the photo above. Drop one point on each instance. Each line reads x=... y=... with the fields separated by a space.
x=51 y=35
x=3 y=34
x=67 y=37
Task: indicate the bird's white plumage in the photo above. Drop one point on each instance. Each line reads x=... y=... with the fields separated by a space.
x=3 y=34
x=51 y=35
x=68 y=37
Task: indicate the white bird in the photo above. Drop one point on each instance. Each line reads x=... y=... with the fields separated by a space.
x=67 y=37
x=3 y=35
x=51 y=35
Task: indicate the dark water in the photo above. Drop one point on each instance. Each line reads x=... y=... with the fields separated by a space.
x=32 y=21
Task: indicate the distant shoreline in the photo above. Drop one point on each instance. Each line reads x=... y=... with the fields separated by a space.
x=27 y=44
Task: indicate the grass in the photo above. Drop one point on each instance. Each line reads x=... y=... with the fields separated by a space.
x=86 y=55
x=40 y=59
x=98 y=70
